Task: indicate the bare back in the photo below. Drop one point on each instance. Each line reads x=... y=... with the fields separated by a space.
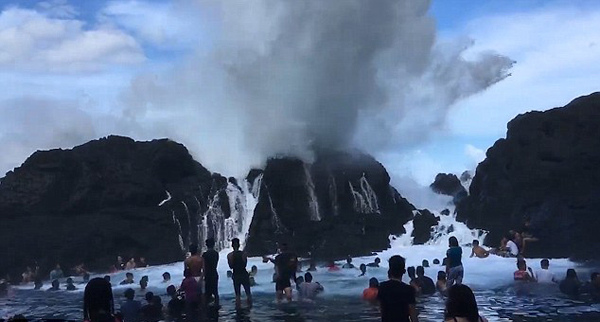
x=195 y=264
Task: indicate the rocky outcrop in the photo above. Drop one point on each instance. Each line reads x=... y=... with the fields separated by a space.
x=547 y=170
x=448 y=184
x=108 y=197
x=423 y=222
x=341 y=204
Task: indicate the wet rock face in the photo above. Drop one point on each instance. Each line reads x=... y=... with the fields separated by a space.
x=99 y=200
x=342 y=204
x=546 y=169
x=448 y=184
x=423 y=222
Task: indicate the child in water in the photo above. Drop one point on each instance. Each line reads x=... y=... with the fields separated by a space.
x=440 y=285
x=370 y=293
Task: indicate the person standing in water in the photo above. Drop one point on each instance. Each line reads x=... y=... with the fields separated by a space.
x=211 y=277
x=237 y=261
x=454 y=268
x=195 y=264
x=285 y=267
x=98 y=304
x=396 y=299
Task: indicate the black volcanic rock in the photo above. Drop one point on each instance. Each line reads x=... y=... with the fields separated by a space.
x=423 y=221
x=101 y=199
x=448 y=184
x=547 y=169
x=342 y=204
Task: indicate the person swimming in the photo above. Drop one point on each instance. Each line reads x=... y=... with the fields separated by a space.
x=479 y=251
x=436 y=261
x=144 y=282
x=375 y=263
x=370 y=293
x=252 y=274
x=461 y=305
x=128 y=279
x=348 y=264
x=544 y=275
x=425 y=283
x=55 y=286
x=130 y=308
x=440 y=285
x=299 y=280
x=37 y=283
x=521 y=273
x=332 y=267
x=363 y=270
x=70 y=285
x=309 y=290
x=571 y=284
x=425 y=263
x=413 y=278
x=166 y=277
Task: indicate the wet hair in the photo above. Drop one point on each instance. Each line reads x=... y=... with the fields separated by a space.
x=210 y=243
x=129 y=294
x=128 y=274
x=145 y=278
x=69 y=280
x=397 y=266
x=544 y=263
x=425 y=263
x=107 y=278
x=444 y=261
x=461 y=303
x=436 y=261
x=193 y=249
x=187 y=273
x=571 y=273
x=171 y=290
x=348 y=259
x=97 y=299
x=453 y=241
x=299 y=280
x=411 y=272
x=55 y=284
x=441 y=275
x=143 y=284
x=521 y=263
x=149 y=296
x=475 y=242
x=229 y=273
x=166 y=274
x=253 y=268
x=235 y=243
x=363 y=267
x=308 y=277
x=377 y=260
x=373 y=282
x=420 y=271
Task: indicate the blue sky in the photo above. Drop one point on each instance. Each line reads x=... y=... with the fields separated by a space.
x=71 y=71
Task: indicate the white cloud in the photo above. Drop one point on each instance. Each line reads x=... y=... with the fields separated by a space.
x=33 y=41
x=475 y=155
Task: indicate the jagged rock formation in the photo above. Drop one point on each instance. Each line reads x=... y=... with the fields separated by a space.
x=547 y=169
x=423 y=222
x=113 y=196
x=342 y=204
x=448 y=184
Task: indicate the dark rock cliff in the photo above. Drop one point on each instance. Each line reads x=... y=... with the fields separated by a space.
x=101 y=199
x=448 y=184
x=546 y=169
x=341 y=204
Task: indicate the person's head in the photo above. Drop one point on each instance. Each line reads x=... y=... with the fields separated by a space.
x=373 y=282
x=441 y=276
x=461 y=303
x=545 y=263
x=193 y=249
x=521 y=264
x=166 y=276
x=571 y=274
x=55 y=284
x=411 y=272
x=187 y=273
x=348 y=259
x=38 y=283
x=145 y=278
x=377 y=260
x=149 y=297
x=475 y=242
x=69 y=280
x=171 y=290
x=107 y=278
x=235 y=243
x=156 y=300
x=308 y=277
x=132 y=260
x=299 y=280
x=444 y=261
x=425 y=263
x=210 y=243
x=143 y=260
x=396 y=266
x=129 y=294
x=436 y=261
x=229 y=274
x=129 y=276
x=363 y=268
x=453 y=242
x=86 y=277
x=254 y=269
x=420 y=271
x=143 y=284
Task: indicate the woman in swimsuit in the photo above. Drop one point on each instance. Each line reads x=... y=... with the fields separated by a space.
x=461 y=305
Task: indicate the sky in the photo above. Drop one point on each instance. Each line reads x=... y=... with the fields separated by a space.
x=424 y=86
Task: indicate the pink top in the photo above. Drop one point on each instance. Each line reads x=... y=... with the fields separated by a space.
x=190 y=288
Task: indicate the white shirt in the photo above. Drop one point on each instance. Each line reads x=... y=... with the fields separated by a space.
x=544 y=276
x=512 y=248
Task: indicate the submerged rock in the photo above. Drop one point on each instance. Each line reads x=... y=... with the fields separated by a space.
x=547 y=169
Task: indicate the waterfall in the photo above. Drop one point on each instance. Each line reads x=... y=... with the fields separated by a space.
x=179 y=232
x=333 y=195
x=275 y=221
x=251 y=198
x=166 y=200
x=365 y=199
x=313 y=204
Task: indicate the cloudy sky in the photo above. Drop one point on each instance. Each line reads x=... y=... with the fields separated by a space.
x=425 y=86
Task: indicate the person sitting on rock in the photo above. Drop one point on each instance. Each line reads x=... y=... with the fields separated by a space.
x=56 y=273
x=571 y=284
x=166 y=277
x=521 y=273
x=70 y=285
x=142 y=263
x=442 y=280
x=544 y=275
x=363 y=270
x=309 y=289
x=425 y=283
x=479 y=251
x=527 y=234
x=508 y=248
x=120 y=265
x=55 y=286
x=128 y=279
x=27 y=276
x=374 y=263
x=131 y=264
x=370 y=293
x=348 y=264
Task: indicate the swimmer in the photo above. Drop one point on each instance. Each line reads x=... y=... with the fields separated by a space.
x=229 y=274
x=348 y=264
x=86 y=277
x=308 y=290
x=521 y=273
x=144 y=283
x=363 y=270
x=545 y=276
x=98 y=304
x=332 y=267
x=571 y=284
x=374 y=263
x=413 y=278
x=370 y=293
x=479 y=251
x=440 y=285
x=425 y=263
x=55 y=286
x=37 y=284
x=70 y=285
x=252 y=274
x=299 y=280
x=166 y=277
x=425 y=283
x=237 y=261
x=130 y=309
x=195 y=263
x=436 y=261
x=128 y=279
x=285 y=266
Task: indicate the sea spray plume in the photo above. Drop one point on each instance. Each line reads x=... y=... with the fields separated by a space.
x=298 y=76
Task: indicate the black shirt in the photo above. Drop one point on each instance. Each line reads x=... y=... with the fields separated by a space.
x=211 y=259
x=394 y=298
x=426 y=284
x=286 y=264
